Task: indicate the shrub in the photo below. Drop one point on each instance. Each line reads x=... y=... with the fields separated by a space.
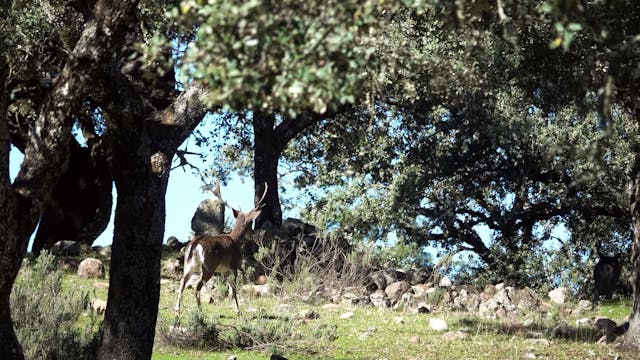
x=46 y=316
x=262 y=331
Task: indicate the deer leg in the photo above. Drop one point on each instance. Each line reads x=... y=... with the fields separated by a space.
x=233 y=285
x=188 y=272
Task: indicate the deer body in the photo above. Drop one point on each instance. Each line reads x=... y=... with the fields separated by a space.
x=209 y=254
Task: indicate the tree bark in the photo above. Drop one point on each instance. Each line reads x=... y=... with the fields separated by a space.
x=142 y=153
x=134 y=285
x=631 y=340
x=46 y=149
x=267 y=153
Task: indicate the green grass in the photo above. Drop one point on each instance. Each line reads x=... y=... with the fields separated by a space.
x=370 y=333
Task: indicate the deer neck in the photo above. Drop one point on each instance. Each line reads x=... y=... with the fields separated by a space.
x=236 y=234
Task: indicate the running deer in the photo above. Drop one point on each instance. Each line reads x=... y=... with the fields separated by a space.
x=209 y=254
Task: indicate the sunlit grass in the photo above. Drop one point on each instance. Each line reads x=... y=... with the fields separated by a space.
x=369 y=333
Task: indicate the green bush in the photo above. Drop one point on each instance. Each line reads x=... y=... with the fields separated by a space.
x=259 y=331
x=47 y=318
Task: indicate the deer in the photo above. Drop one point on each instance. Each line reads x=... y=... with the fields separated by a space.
x=209 y=254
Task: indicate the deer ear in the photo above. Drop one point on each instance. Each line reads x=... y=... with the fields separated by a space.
x=235 y=213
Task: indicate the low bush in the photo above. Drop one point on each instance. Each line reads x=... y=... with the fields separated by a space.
x=47 y=318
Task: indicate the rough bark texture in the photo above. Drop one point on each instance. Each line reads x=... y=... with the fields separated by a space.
x=143 y=151
x=266 y=156
x=9 y=346
x=46 y=150
x=631 y=341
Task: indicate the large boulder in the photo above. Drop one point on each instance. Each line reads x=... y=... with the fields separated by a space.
x=209 y=217
x=91 y=268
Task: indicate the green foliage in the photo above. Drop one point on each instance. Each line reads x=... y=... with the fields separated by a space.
x=282 y=57
x=47 y=317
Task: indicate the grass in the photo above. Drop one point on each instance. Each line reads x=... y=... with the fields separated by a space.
x=388 y=334
x=268 y=327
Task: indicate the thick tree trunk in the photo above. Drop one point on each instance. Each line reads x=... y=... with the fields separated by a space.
x=134 y=286
x=9 y=345
x=266 y=157
x=631 y=341
x=80 y=207
x=142 y=152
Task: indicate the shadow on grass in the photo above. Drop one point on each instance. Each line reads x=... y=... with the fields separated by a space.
x=533 y=330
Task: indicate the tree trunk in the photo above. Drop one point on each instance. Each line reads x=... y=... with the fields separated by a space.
x=134 y=286
x=80 y=207
x=266 y=158
x=9 y=345
x=631 y=341
x=141 y=153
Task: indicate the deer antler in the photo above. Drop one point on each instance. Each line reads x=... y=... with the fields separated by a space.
x=260 y=205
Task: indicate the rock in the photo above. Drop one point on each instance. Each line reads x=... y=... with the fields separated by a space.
x=172 y=266
x=68 y=264
x=445 y=282
x=488 y=292
x=438 y=324
x=605 y=325
x=379 y=280
x=455 y=335
x=98 y=305
x=209 y=217
x=379 y=299
x=499 y=286
x=583 y=321
x=347 y=315
x=104 y=251
x=65 y=248
x=526 y=299
x=581 y=307
x=558 y=295
x=174 y=243
x=307 y=315
x=395 y=290
x=467 y=301
x=398 y=320
x=419 y=289
x=261 y=280
x=423 y=308
x=562 y=331
x=91 y=268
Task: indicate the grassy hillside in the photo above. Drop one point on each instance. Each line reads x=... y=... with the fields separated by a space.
x=313 y=328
